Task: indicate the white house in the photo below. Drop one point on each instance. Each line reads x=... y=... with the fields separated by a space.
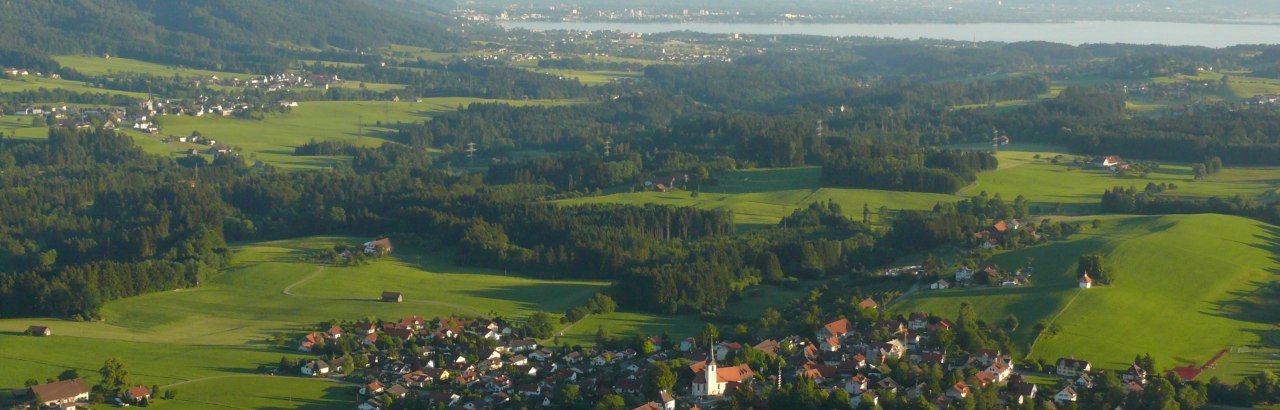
x=1072 y=367
x=1068 y=394
x=1086 y=281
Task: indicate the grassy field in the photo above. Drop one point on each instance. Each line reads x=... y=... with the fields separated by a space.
x=376 y=87
x=249 y=392
x=218 y=329
x=1177 y=280
x=96 y=65
x=33 y=83
x=765 y=196
x=272 y=140
x=589 y=77
x=1080 y=189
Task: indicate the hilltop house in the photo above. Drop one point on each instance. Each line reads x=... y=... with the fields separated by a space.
x=1086 y=281
x=392 y=297
x=39 y=331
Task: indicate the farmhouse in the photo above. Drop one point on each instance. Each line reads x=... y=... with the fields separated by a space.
x=940 y=284
x=380 y=246
x=39 y=331
x=392 y=297
x=61 y=394
x=138 y=393
x=1072 y=367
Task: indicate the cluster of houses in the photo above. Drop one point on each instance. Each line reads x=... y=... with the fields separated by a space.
x=844 y=359
x=283 y=81
x=1264 y=99
x=990 y=275
x=432 y=361
x=441 y=368
x=666 y=183
x=990 y=238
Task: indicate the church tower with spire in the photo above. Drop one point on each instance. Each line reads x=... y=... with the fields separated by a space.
x=712 y=374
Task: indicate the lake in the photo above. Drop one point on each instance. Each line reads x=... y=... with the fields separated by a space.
x=1075 y=33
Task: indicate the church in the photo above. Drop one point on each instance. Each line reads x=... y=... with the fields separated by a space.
x=711 y=380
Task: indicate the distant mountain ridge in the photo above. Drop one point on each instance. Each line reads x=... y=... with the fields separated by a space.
x=219 y=34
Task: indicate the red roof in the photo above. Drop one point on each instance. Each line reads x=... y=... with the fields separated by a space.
x=139 y=392
x=1086 y=279
x=1001 y=226
x=867 y=303
x=1187 y=373
x=839 y=327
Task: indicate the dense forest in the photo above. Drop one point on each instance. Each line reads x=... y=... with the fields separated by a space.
x=904 y=168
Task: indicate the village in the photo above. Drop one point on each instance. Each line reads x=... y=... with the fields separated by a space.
x=486 y=363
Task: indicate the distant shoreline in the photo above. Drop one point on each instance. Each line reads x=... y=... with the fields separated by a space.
x=1217 y=35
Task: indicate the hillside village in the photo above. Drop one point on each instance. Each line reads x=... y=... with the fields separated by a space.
x=488 y=363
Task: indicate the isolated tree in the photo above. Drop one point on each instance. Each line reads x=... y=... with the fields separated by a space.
x=114 y=376
x=657 y=378
x=709 y=334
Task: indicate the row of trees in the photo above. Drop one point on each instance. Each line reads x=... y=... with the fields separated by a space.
x=1131 y=201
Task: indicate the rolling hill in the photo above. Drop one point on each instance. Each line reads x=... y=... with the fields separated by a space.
x=1189 y=278
x=219 y=34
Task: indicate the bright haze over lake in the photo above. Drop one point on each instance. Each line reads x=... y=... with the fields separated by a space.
x=1075 y=33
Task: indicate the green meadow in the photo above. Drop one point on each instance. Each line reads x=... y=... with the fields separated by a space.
x=96 y=65
x=219 y=328
x=33 y=83
x=1079 y=189
x=1178 y=278
x=589 y=77
x=363 y=123
x=765 y=196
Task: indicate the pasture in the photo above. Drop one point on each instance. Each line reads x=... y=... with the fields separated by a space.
x=220 y=328
x=362 y=123
x=1028 y=170
x=96 y=65
x=1177 y=278
x=33 y=83
x=765 y=196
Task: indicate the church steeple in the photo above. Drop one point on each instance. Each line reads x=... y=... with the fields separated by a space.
x=711 y=374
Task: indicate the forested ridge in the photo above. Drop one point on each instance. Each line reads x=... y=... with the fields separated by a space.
x=227 y=35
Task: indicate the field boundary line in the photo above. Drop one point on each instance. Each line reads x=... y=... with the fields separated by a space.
x=1032 y=349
